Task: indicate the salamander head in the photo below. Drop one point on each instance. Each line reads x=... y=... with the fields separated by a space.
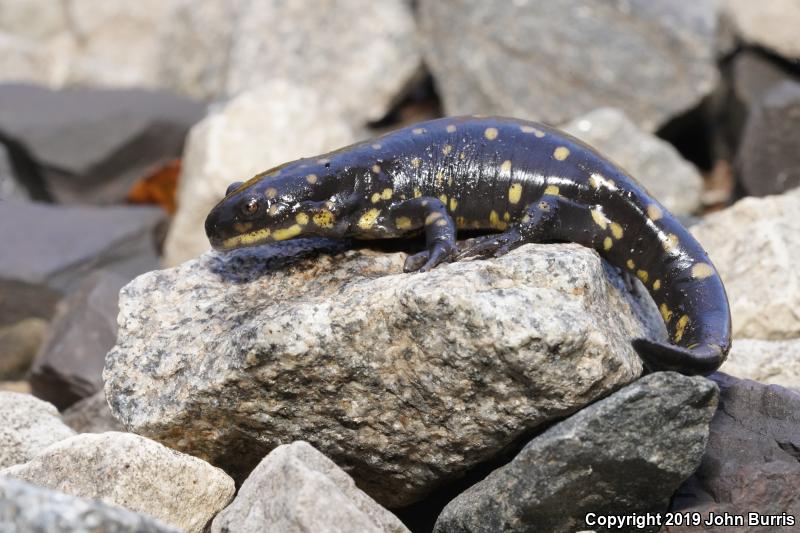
x=273 y=206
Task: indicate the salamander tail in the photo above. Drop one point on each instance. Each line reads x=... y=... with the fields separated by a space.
x=657 y=356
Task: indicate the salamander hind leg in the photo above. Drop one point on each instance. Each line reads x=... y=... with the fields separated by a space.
x=431 y=215
x=533 y=227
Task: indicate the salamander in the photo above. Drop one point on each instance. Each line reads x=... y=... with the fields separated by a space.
x=525 y=181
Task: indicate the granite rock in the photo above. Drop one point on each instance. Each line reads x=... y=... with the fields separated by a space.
x=772 y=25
x=751 y=462
x=91 y=415
x=19 y=344
x=89 y=146
x=624 y=454
x=403 y=380
x=259 y=129
x=656 y=164
x=772 y=362
x=29 y=508
x=29 y=426
x=132 y=472
x=544 y=60
x=755 y=245
x=296 y=489
x=69 y=364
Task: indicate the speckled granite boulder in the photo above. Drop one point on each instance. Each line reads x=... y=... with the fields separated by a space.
x=26 y=508
x=27 y=426
x=132 y=472
x=404 y=380
x=554 y=61
x=296 y=489
x=755 y=245
x=622 y=455
x=656 y=164
x=261 y=128
x=773 y=362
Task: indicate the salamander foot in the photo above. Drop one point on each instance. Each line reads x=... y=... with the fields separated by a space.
x=427 y=259
x=491 y=245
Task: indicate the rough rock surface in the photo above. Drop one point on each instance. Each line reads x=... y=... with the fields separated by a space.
x=260 y=129
x=771 y=24
x=751 y=462
x=403 y=380
x=624 y=454
x=29 y=508
x=9 y=186
x=297 y=489
x=755 y=245
x=69 y=365
x=132 y=472
x=88 y=146
x=19 y=343
x=91 y=415
x=773 y=362
x=28 y=426
x=656 y=164
x=541 y=60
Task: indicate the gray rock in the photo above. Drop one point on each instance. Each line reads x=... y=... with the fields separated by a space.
x=751 y=462
x=51 y=249
x=69 y=365
x=132 y=472
x=9 y=187
x=622 y=455
x=88 y=146
x=26 y=508
x=296 y=489
x=18 y=346
x=771 y=24
x=755 y=246
x=767 y=160
x=657 y=165
x=259 y=129
x=29 y=426
x=555 y=61
x=403 y=380
x=91 y=415
x=773 y=362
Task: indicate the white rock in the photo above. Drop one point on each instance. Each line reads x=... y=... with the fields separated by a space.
x=297 y=489
x=28 y=426
x=774 y=362
x=773 y=24
x=656 y=164
x=135 y=473
x=275 y=123
x=755 y=245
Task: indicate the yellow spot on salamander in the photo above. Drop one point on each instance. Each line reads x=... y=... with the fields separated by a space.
x=490 y=133
x=680 y=328
x=386 y=194
x=368 y=219
x=530 y=129
x=450 y=128
x=443 y=198
x=461 y=222
x=247 y=239
x=311 y=178
x=418 y=131
x=514 y=193
x=439 y=179
x=505 y=167
x=273 y=210
x=376 y=197
x=433 y=217
x=416 y=162
x=561 y=153
x=630 y=264
x=495 y=222
x=402 y=223
x=642 y=275
x=666 y=314
x=552 y=190
x=654 y=212
x=441 y=222
x=446 y=149
x=453 y=204
x=616 y=230
x=656 y=284
x=671 y=242
x=607 y=243
x=417 y=192
x=242 y=227
x=702 y=270
x=527 y=218
x=323 y=219
x=301 y=218
x=376 y=169
x=506 y=216
x=287 y=233
x=599 y=218
x=271 y=192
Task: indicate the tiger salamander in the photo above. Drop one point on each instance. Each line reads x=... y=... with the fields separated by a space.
x=524 y=180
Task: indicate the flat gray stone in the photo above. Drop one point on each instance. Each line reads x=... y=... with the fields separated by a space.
x=28 y=508
x=622 y=455
x=404 y=380
x=656 y=164
x=28 y=426
x=132 y=472
x=555 y=61
x=296 y=489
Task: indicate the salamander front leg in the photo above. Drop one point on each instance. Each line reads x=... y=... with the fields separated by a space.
x=431 y=215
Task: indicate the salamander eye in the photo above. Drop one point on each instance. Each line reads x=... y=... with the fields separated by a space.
x=232 y=187
x=250 y=207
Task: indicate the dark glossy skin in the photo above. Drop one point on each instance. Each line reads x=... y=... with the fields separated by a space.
x=530 y=182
